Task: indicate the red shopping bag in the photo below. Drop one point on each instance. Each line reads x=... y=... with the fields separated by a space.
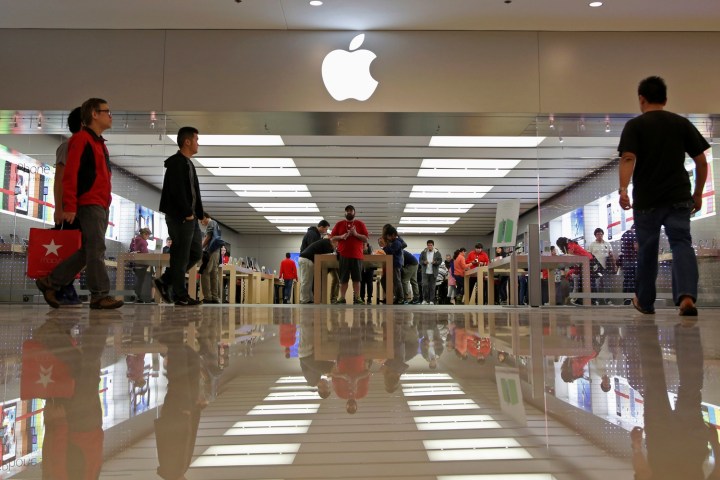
x=47 y=248
x=43 y=375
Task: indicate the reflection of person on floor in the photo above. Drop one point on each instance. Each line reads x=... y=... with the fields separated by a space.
x=287 y=337
x=676 y=440
x=313 y=370
x=73 y=445
x=351 y=373
x=431 y=343
x=176 y=428
x=573 y=368
x=394 y=367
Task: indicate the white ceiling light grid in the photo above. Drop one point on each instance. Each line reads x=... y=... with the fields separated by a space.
x=290 y=229
x=285 y=207
x=236 y=140
x=290 y=220
x=419 y=230
x=429 y=220
x=437 y=208
x=249 y=167
x=466 y=167
x=267 y=190
x=486 y=142
x=449 y=191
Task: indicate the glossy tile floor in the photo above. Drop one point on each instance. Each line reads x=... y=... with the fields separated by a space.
x=421 y=392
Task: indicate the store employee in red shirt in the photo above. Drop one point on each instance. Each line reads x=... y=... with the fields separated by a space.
x=350 y=234
x=288 y=272
x=477 y=258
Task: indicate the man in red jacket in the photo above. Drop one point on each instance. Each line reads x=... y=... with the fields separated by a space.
x=86 y=199
x=288 y=272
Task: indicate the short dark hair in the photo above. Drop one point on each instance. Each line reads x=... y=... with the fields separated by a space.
x=287 y=255
x=462 y=249
x=323 y=223
x=391 y=231
x=206 y=215
x=478 y=245
x=598 y=230
x=185 y=133
x=430 y=242
x=88 y=107
x=74 y=120
x=653 y=89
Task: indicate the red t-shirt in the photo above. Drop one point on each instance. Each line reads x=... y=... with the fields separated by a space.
x=287 y=334
x=352 y=380
x=350 y=247
x=288 y=270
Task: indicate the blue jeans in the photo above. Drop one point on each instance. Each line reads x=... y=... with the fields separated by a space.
x=676 y=220
x=287 y=291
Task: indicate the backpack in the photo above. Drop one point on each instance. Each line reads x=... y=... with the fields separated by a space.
x=216 y=241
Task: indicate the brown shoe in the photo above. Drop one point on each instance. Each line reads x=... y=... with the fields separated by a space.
x=48 y=292
x=106 y=303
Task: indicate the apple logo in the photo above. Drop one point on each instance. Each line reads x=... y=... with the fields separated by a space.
x=346 y=74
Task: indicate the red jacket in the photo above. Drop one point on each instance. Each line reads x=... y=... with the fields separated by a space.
x=288 y=270
x=87 y=177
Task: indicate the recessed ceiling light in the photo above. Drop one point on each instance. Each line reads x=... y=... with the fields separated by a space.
x=486 y=142
x=449 y=191
x=437 y=208
x=316 y=3
x=430 y=220
x=264 y=190
x=291 y=220
x=252 y=167
x=466 y=167
x=285 y=207
x=595 y=4
x=422 y=229
x=236 y=140
x=288 y=229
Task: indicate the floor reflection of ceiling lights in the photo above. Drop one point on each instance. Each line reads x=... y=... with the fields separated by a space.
x=455 y=422
x=442 y=405
x=469 y=449
x=286 y=409
x=276 y=427
x=245 y=455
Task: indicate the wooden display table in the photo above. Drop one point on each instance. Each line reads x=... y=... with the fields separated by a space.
x=157 y=260
x=323 y=263
x=479 y=273
x=511 y=263
x=234 y=273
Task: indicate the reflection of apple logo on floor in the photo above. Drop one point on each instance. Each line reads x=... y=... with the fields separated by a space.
x=346 y=74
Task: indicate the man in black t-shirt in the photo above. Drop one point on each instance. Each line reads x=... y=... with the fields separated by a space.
x=307 y=266
x=652 y=150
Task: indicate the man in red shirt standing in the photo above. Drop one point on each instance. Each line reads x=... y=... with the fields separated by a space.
x=350 y=234
x=477 y=258
x=288 y=272
x=86 y=199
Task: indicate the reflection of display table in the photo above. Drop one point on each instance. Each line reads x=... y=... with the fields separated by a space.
x=12 y=248
x=380 y=347
x=157 y=260
x=515 y=261
x=325 y=262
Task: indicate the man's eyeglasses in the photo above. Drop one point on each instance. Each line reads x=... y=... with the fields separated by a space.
x=106 y=110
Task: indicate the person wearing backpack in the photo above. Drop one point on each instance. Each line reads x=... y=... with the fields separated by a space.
x=211 y=249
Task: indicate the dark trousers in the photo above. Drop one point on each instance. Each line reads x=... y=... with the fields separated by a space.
x=91 y=255
x=186 y=251
x=366 y=284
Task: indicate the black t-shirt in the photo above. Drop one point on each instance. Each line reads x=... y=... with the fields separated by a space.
x=317 y=248
x=409 y=258
x=660 y=140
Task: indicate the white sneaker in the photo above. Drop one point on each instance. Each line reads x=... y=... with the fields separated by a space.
x=431 y=303
x=424 y=302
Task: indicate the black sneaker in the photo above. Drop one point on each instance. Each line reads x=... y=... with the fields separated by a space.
x=162 y=288
x=48 y=292
x=187 y=301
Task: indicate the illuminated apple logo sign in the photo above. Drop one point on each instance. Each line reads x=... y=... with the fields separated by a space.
x=346 y=74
